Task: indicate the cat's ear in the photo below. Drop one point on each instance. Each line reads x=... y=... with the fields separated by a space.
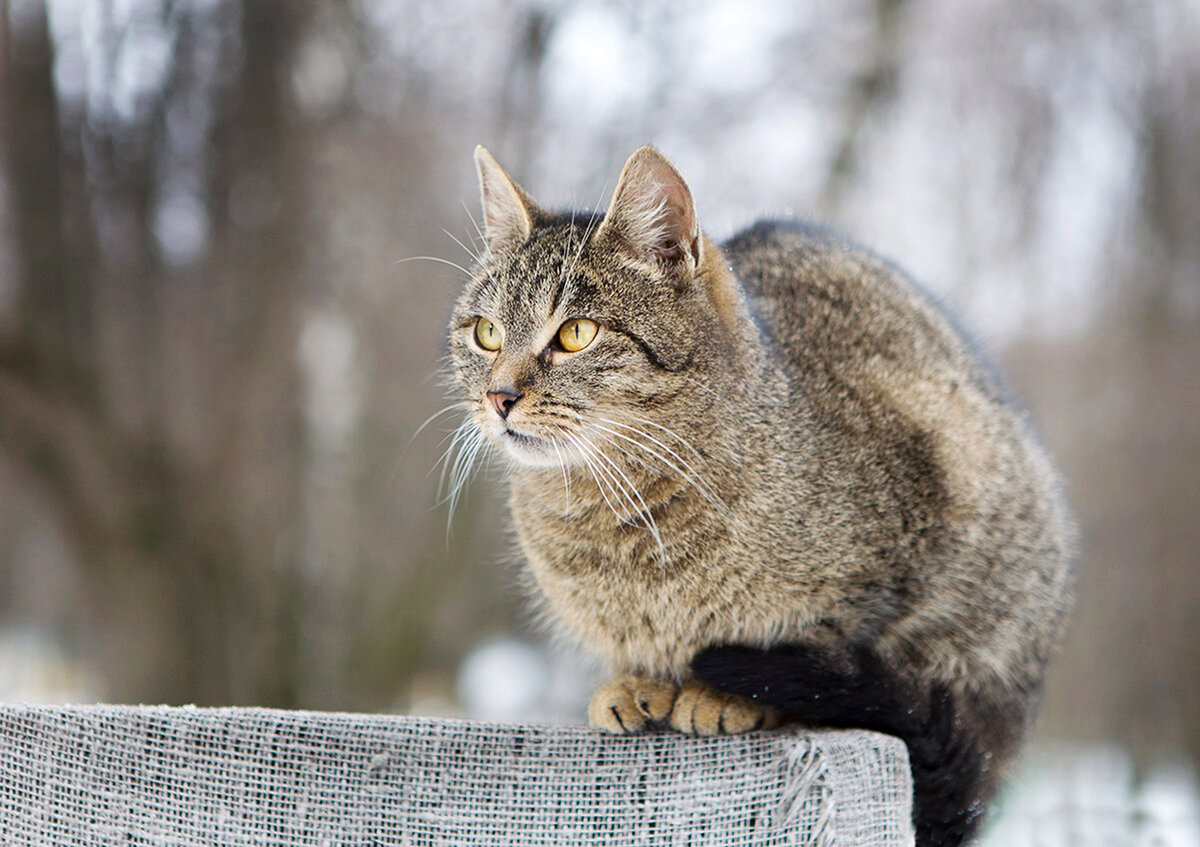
x=652 y=213
x=508 y=212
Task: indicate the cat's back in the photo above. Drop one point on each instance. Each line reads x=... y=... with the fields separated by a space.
x=888 y=397
x=829 y=305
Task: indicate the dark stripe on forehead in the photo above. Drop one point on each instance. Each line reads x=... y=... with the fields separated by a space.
x=566 y=232
x=582 y=294
x=488 y=289
x=558 y=292
x=577 y=219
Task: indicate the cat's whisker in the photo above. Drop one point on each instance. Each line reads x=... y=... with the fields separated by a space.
x=586 y=234
x=455 y=436
x=439 y=413
x=630 y=494
x=464 y=465
x=450 y=459
x=478 y=230
x=640 y=508
x=562 y=273
x=704 y=387
x=487 y=461
x=629 y=454
x=611 y=482
x=484 y=251
x=437 y=259
x=697 y=481
x=476 y=258
x=733 y=519
x=562 y=466
x=644 y=511
x=615 y=487
x=690 y=470
x=460 y=441
x=458 y=404
x=591 y=467
x=690 y=475
x=686 y=444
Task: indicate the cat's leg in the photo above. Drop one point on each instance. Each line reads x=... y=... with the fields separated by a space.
x=626 y=703
x=958 y=741
x=700 y=709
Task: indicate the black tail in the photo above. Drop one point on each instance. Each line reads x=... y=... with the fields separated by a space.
x=955 y=743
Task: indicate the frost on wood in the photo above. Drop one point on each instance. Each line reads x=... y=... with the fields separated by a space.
x=92 y=775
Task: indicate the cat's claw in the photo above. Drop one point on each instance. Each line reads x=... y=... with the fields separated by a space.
x=700 y=709
x=628 y=703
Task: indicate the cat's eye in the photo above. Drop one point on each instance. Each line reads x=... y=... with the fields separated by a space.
x=488 y=334
x=576 y=334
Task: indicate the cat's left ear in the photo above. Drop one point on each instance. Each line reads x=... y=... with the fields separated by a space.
x=508 y=212
x=652 y=213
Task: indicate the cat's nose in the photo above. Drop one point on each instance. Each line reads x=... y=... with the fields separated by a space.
x=503 y=400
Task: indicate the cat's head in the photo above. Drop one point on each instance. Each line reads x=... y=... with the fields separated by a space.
x=582 y=333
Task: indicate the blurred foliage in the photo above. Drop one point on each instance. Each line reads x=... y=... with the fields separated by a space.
x=213 y=350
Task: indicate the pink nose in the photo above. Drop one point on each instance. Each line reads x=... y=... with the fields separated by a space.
x=503 y=400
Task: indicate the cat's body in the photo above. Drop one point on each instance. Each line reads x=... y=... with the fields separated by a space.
x=831 y=475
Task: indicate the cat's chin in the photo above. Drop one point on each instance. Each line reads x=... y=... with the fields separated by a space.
x=529 y=451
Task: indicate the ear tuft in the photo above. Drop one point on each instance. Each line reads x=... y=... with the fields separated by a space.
x=652 y=213
x=508 y=212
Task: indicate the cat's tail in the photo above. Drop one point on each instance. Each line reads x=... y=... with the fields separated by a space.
x=956 y=742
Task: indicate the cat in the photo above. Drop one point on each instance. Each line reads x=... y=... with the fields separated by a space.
x=763 y=481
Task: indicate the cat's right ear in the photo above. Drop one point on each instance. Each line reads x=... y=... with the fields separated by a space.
x=652 y=214
x=508 y=212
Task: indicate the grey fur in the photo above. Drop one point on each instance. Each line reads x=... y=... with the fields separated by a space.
x=834 y=464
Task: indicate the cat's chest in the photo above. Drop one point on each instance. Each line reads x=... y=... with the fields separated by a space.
x=634 y=622
x=640 y=605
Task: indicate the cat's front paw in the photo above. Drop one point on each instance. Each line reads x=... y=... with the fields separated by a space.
x=700 y=709
x=627 y=703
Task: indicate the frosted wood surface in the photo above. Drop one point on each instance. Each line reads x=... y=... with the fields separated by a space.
x=155 y=775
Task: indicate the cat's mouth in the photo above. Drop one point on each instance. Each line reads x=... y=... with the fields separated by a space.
x=525 y=440
x=528 y=449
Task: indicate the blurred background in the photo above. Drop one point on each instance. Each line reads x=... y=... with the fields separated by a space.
x=214 y=351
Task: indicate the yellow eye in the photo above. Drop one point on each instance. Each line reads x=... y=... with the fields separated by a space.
x=488 y=334
x=576 y=334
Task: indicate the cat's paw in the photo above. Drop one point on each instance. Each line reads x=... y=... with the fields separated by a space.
x=700 y=709
x=627 y=703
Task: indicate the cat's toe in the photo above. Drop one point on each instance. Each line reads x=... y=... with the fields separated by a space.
x=702 y=710
x=655 y=697
x=627 y=703
x=741 y=715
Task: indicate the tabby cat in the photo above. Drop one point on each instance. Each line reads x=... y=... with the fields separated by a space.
x=766 y=480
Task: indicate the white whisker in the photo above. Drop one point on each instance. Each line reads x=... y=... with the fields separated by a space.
x=562 y=466
x=476 y=258
x=583 y=241
x=460 y=432
x=485 y=251
x=687 y=444
x=640 y=508
x=435 y=259
x=464 y=465
x=690 y=475
x=600 y=486
x=562 y=272
x=453 y=469
x=478 y=230
x=704 y=387
x=618 y=490
x=457 y=404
